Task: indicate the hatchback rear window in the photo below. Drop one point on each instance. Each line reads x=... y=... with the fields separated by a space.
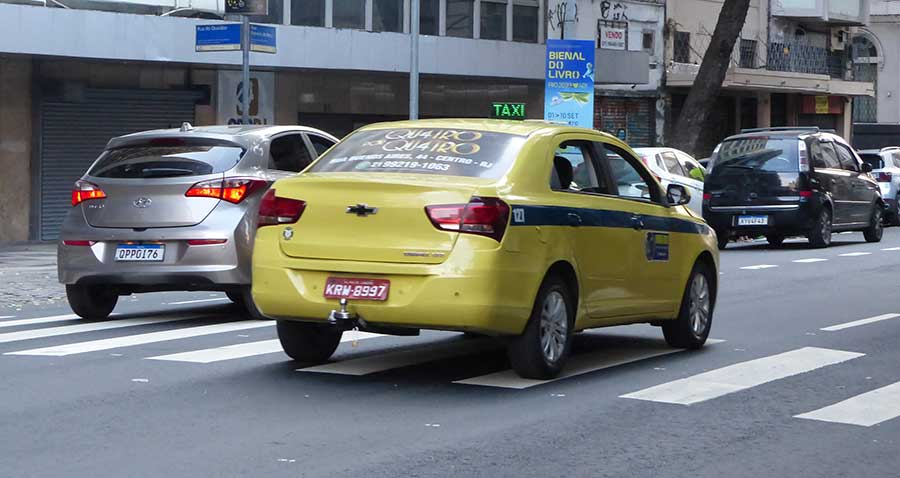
x=166 y=160
x=438 y=151
x=763 y=154
x=873 y=160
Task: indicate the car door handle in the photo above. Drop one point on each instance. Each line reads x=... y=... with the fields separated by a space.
x=636 y=222
x=573 y=219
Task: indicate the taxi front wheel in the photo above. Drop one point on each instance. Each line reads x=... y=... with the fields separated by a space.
x=307 y=342
x=543 y=347
x=691 y=328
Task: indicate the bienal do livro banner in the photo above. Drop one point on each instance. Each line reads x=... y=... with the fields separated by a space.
x=569 y=83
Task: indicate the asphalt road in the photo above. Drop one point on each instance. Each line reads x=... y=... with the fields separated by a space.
x=178 y=388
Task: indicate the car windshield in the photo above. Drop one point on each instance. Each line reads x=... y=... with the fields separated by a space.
x=873 y=160
x=764 y=154
x=166 y=160
x=437 y=151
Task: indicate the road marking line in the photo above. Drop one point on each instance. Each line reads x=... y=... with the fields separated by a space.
x=7 y=316
x=810 y=260
x=141 y=339
x=183 y=302
x=854 y=254
x=856 y=323
x=578 y=365
x=245 y=350
x=79 y=328
x=760 y=266
x=37 y=320
x=404 y=358
x=867 y=409
x=891 y=249
x=741 y=376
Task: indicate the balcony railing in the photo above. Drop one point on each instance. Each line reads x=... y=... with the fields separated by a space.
x=796 y=57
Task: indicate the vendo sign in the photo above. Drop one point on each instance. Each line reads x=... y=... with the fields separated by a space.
x=612 y=38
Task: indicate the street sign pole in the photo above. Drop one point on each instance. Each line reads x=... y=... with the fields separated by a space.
x=414 y=60
x=245 y=67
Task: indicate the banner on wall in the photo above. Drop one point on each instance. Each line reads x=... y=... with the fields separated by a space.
x=569 y=82
x=262 y=97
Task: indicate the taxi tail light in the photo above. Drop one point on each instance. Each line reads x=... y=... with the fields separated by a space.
x=274 y=210
x=481 y=216
x=233 y=190
x=884 y=177
x=84 y=191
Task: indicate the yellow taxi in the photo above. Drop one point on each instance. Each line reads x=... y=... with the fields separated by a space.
x=522 y=229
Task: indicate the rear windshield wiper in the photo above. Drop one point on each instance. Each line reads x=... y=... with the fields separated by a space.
x=757 y=157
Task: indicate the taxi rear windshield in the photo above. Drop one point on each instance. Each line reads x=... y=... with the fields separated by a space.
x=167 y=159
x=437 y=151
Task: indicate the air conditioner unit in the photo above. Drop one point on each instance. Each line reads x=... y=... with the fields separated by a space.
x=839 y=38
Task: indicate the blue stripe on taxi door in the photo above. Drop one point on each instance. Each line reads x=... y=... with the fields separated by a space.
x=569 y=216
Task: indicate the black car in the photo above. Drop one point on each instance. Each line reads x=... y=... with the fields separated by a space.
x=781 y=182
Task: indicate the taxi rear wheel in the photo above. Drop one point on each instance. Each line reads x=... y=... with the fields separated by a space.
x=308 y=342
x=691 y=328
x=543 y=347
x=92 y=302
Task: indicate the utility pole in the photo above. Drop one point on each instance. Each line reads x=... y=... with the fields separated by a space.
x=245 y=70
x=414 y=59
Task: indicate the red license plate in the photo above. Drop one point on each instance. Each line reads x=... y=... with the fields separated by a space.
x=356 y=289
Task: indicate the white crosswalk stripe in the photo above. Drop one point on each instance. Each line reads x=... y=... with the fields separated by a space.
x=7 y=316
x=743 y=375
x=857 y=323
x=141 y=339
x=251 y=349
x=198 y=301
x=854 y=254
x=809 y=260
x=38 y=320
x=867 y=409
x=759 y=267
x=88 y=327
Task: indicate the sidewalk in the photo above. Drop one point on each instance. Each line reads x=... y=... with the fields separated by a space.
x=28 y=275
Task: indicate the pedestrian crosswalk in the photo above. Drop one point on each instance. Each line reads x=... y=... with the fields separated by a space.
x=29 y=337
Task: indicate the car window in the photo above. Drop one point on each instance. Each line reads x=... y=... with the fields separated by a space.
x=759 y=153
x=628 y=179
x=167 y=158
x=690 y=165
x=289 y=153
x=829 y=155
x=875 y=160
x=672 y=164
x=573 y=169
x=320 y=144
x=896 y=157
x=848 y=161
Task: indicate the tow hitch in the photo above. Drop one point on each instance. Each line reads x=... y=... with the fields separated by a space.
x=345 y=320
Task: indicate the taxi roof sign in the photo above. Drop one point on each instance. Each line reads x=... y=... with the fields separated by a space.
x=511 y=111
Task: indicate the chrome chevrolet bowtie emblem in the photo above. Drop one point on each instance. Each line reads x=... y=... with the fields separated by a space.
x=361 y=210
x=142 y=202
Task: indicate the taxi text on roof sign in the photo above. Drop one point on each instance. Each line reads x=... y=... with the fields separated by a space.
x=513 y=111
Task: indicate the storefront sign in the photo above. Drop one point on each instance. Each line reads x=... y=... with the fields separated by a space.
x=569 y=82
x=262 y=97
x=612 y=38
x=822 y=105
x=247 y=7
x=221 y=37
x=511 y=111
x=262 y=38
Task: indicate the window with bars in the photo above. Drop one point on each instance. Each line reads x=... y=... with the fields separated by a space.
x=682 y=47
x=748 y=54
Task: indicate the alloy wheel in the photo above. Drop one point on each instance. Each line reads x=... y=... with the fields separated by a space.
x=554 y=326
x=699 y=305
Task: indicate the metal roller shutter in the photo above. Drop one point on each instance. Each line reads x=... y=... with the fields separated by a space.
x=73 y=134
x=631 y=116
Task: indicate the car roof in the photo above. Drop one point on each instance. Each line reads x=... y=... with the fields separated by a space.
x=240 y=134
x=781 y=134
x=520 y=128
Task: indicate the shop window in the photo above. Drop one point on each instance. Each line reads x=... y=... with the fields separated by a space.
x=682 y=47
x=275 y=16
x=349 y=14
x=493 y=20
x=387 y=15
x=309 y=13
x=460 y=18
x=429 y=11
x=647 y=42
x=525 y=23
x=748 y=53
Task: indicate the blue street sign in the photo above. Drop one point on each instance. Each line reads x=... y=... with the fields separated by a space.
x=569 y=82
x=221 y=37
x=262 y=38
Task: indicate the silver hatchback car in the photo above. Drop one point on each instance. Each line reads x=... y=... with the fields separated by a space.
x=175 y=209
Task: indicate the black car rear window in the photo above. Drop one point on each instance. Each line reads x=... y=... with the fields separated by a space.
x=874 y=160
x=763 y=154
x=167 y=159
x=436 y=151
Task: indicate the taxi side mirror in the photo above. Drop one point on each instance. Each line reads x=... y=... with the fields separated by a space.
x=677 y=195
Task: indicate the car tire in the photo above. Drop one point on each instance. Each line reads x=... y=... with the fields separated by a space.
x=543 y=347
x=244 y=298
x=691 y=328
x=92 y=302
x=722 y=239
x=820 y=235
x=875 y=230
x=307 y=342
x=775 y=240
x=895 y=215
x=236 y=296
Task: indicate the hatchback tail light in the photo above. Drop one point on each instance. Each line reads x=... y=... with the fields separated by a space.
x=707 y=196
x=884 y=177
x=84 y=191
x=206 y=242
x=274 y=210
x=79 y=243
x=482 y=216
x=803 y=159
x=233 y=190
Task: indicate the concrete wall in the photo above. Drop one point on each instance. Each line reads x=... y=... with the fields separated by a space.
x=15 y=147
x=884 y=30
x=699 y=17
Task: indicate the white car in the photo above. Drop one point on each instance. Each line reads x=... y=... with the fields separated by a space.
x=672 y=166
x=885 y=164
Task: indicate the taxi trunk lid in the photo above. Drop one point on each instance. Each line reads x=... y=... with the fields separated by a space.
x=379 y=218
